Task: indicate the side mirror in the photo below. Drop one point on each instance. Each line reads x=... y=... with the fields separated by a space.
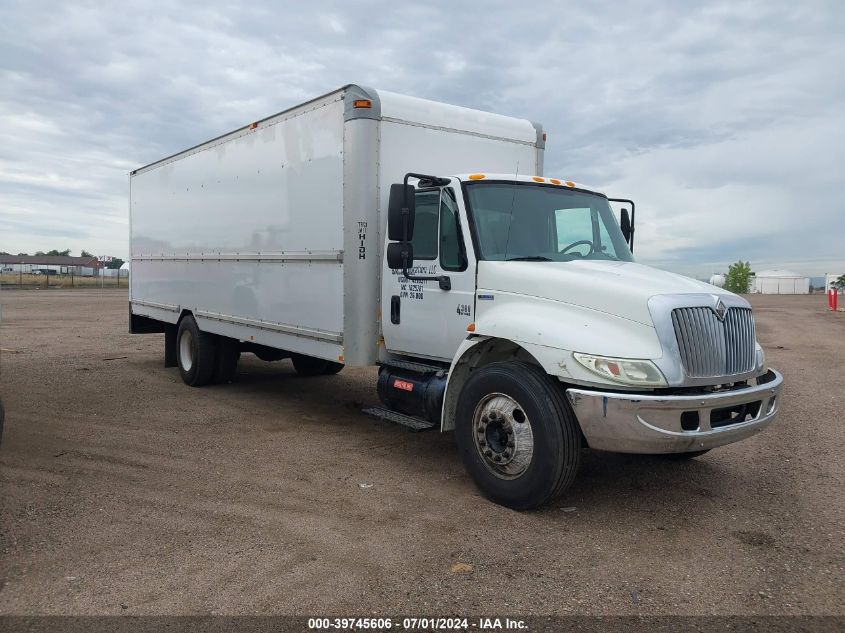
x=625 y=225
x=400 y=255
x=400 y=196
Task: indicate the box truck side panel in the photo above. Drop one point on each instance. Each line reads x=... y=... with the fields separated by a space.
x=247 y=232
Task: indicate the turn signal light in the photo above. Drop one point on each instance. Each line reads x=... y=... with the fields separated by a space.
x=471 y=327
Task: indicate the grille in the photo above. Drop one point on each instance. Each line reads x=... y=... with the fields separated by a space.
x=711 y=348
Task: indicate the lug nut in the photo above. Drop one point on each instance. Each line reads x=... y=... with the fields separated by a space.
x=482 y=443
x=488 y=453
x=511 y=444
x=506 y=454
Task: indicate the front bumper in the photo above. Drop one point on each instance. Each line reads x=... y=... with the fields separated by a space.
x=636 y=423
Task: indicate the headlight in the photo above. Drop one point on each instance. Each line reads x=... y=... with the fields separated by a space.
x=761 y=357
x=627 y=371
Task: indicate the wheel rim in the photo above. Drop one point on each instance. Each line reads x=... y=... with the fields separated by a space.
x=186 y=350
x=503 y=437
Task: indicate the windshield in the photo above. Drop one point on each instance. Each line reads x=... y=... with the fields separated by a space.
x=523 y=221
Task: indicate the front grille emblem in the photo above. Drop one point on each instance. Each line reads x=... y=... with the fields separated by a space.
x=720 y=310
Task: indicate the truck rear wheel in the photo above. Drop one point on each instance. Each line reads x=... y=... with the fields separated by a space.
x=195 y=352
x=310 y=366
x=517 y=436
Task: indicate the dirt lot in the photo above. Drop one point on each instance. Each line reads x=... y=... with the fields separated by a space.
x=124 y=491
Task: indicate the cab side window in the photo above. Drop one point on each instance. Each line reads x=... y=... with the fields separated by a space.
x=437 y=230
x=452 y=255
x=425 y=225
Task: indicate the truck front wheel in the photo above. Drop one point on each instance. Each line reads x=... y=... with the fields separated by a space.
x=517 y=436
x=195 y=352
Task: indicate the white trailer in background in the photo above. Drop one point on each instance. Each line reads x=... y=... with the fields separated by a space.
x=780 y=282
x=366 y=227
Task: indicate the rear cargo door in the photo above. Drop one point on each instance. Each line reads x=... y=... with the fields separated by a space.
x=420 y=318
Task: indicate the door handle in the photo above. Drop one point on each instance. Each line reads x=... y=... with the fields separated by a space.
x=394 y=310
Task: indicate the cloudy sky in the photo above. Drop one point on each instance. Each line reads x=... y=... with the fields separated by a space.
x=725 y=121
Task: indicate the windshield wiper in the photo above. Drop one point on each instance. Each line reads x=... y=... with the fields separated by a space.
x=529 y=258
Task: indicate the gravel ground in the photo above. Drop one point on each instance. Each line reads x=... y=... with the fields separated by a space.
x=124 y=491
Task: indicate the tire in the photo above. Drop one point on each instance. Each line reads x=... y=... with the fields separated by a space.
x=195 y=353
x=310 y=366
x=521 y=398
x=226 y=362
x=2 y=420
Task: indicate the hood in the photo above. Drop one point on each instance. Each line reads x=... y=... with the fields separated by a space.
x=619 y=288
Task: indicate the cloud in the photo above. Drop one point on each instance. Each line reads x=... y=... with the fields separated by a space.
x=723 y=120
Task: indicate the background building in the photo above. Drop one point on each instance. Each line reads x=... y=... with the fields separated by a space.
x=58 y=264
x=780 y=282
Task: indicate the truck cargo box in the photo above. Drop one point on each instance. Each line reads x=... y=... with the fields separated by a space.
x=273 y=233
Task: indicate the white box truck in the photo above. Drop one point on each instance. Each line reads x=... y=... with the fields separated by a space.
x=369 y=228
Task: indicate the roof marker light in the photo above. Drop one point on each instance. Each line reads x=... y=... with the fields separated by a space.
x=569 y=183
x=252 y=126
x=554 y=181
x=476 y=176
x=362 y=103
x=538 y=179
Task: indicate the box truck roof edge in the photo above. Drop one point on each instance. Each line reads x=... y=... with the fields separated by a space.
x=371 y=103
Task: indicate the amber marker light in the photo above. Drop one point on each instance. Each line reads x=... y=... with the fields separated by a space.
x=538 y=179
x=554 y=181
x=476 y=177
x=471 y=327
x=362 y=103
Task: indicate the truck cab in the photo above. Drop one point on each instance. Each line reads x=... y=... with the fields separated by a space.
x=541 y=335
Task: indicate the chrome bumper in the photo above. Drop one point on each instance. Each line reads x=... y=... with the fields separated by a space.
x=636 y=423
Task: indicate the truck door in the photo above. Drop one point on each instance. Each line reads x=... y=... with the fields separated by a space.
x=419 y=318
